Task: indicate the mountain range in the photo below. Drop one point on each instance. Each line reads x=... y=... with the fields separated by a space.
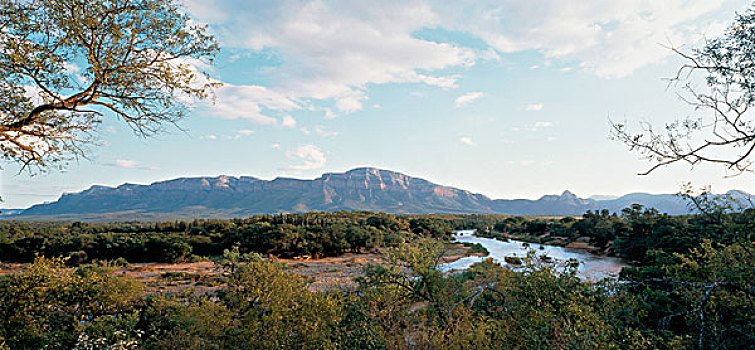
x=358 y=189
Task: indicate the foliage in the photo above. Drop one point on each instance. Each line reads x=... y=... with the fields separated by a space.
x=691 y=287
x=638 y=234
x=170 y=323
x=285 y=235
x=705 y=297
x=476 y=248
x=51 y=305
x=65 y=63
x=547 y=307
x=119 y=340
x=491 y=306
x=277 y=311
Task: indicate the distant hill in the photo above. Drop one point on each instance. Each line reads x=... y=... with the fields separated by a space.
x=358 y=189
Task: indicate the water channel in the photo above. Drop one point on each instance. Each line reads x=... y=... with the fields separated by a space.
x=591 y=266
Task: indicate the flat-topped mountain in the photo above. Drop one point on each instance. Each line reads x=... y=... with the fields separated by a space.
x=358 y=189
x=228 y=196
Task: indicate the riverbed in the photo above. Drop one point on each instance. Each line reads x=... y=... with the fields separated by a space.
x=591 y=267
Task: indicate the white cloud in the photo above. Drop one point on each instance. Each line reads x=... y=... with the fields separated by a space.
x=305 y=131
x=247 y=102
x=468 y=98
x=467 y=141
x=334 y=49
x=239 y=133
x=244 y=132
x=130 y=164
x=208 y=137
x=288 y=122
x=536 y=126
x=350 y=104
x=122 y=163
x=611 y=39
x=276 y=146
x=310 y=157
x=535 y=107
x=320 y=130
x=489 y=55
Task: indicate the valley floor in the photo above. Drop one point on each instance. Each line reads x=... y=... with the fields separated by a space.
x=206 y=277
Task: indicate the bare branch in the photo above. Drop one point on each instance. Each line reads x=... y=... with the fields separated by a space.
x=727 y=67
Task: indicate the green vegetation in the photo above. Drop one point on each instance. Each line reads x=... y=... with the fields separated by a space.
x=476 y=248
x=634 y=234
x=404 y=303
x=285 y=235
x=692 y=287
x=637 y=234
x=132 y=61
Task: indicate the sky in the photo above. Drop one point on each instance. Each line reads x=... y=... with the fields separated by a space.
x=511 y=99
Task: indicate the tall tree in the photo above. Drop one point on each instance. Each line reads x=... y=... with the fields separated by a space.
x=65 y=64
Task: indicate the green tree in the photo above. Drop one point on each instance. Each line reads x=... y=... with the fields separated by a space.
x=277 y=310
x=547 y=307
x=172 y=322
x=65 y=63
x=51 y=306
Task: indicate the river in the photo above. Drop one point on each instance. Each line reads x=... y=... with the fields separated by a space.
x=591 y=267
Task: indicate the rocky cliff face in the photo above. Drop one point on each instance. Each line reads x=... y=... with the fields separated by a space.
x=358 y=189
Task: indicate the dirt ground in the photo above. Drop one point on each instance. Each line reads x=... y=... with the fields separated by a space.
x=327 y=274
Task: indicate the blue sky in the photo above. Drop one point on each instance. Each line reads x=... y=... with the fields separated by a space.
x=508 y=98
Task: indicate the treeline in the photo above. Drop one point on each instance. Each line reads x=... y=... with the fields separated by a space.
x=637 y=234
x=283 y=235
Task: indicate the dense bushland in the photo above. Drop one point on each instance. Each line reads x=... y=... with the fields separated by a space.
x=692 y=286
x=265 y=307
x=637 y=234
x=404 y=303
x=284 y=235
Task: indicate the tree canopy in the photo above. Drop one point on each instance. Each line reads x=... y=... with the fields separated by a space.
x=65 y=64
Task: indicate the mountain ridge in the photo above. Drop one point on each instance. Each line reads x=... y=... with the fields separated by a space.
x=363 y=188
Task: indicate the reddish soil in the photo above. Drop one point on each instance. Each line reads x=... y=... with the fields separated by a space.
x=326 y=274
